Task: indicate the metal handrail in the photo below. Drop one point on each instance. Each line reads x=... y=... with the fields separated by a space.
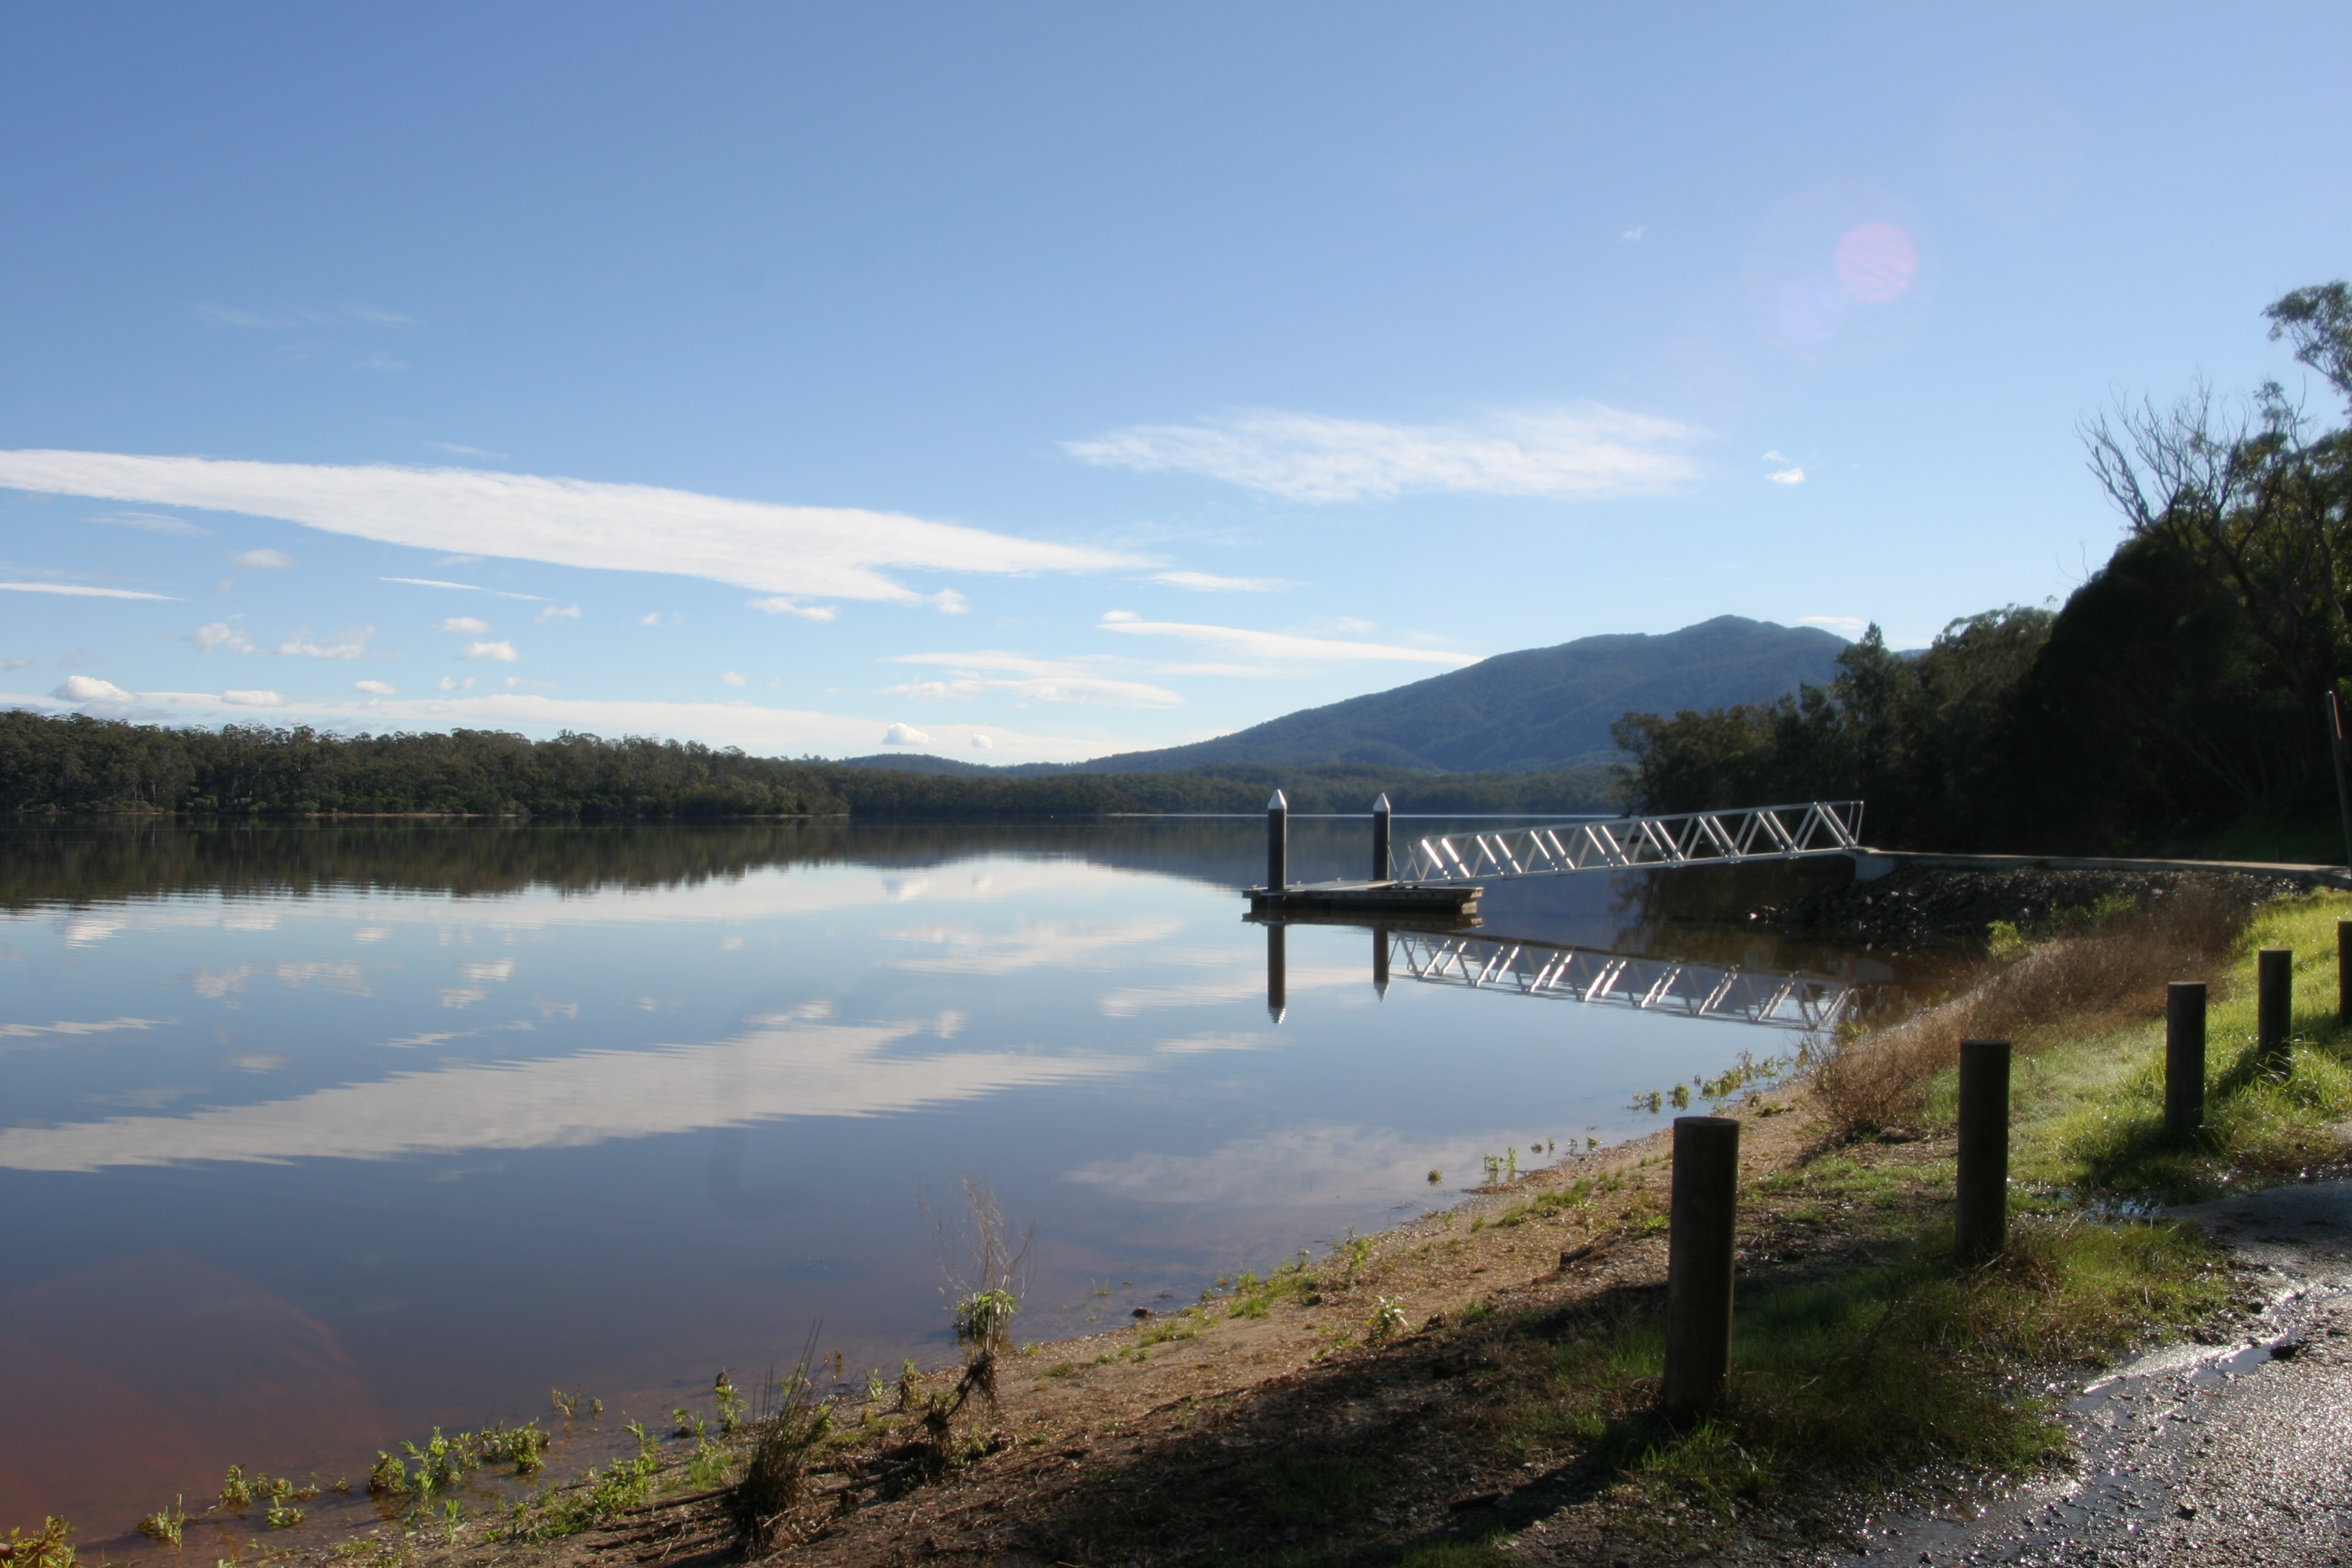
x=1631 y=843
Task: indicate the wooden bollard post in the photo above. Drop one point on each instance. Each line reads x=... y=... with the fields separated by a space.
x=2274 y=1003
x=2184 y=1059
x=2344 y=972
x=1381 y=840
x=1380 y=962
x=1277 y=843
x=1982 y=1230
x=1698 y=1262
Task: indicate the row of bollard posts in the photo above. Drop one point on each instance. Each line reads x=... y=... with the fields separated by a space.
x=1700 y=1238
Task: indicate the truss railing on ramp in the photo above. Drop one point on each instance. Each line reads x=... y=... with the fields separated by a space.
x=1806 y=1003
x=1631 y=843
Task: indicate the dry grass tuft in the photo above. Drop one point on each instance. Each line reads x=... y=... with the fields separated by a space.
x=2111 y=969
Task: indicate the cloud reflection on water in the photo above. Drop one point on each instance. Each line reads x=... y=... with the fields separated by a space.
x=783 y=1067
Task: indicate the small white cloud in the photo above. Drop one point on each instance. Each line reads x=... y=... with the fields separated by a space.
x=153 y=523
x=465 y=623
x=1209 y=583
x=262 y=560
x=1636 y=231
x=498 y=652
x=456 y=683
x=729 y=677
x=376 y=688
x=558 y=613
x=1787 y=477
x=352 y=646
x=656 y=618
x=462 y=450
x=896 y=735
x=8 y=664
x=379 y=360
x=1845 y=625
x=253 y=699
x=221 y=637
x=784 y=604
x=950 y=603
x=81 y=593
x=520 y=683
x=983 y=742
x=90 y=689
x=460 y=561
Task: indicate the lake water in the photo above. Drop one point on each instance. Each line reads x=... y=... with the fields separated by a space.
x=316 y=1137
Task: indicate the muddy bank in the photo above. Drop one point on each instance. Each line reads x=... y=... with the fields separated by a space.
x=1930 y=908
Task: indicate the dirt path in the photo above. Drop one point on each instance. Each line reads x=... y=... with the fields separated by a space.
x=2218 y=1456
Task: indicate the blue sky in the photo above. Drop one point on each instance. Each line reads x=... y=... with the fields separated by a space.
x=1030 y=383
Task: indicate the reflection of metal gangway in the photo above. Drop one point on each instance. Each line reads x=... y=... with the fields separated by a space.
x=1796 y=1002
x=1631 y=843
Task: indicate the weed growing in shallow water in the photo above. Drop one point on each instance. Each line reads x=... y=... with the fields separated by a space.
x=729 y=1401
x=51 y=1546
x=166 y=1524
x=569 y=1406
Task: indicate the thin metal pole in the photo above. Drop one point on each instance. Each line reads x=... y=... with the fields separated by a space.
x=1982 y=1228
x=2184 y=1059
x=1699 y=1241
x=1277 y=969
x=1277 y=843
x=2274 y=1003
x=1381 y=840
x=2336 y=754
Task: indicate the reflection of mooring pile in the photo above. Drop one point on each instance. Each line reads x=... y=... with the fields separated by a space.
x=1796 y=1002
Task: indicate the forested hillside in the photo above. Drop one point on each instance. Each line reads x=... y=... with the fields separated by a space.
x=1535 y=710
x=2177 y=700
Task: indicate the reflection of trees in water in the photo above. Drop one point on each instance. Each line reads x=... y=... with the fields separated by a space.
x=85 y=864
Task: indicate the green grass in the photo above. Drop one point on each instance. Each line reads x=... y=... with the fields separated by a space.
x=2091 y=1111
x=1876 y=1371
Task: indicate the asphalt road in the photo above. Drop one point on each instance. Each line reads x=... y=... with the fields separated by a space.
x=2235 y=1454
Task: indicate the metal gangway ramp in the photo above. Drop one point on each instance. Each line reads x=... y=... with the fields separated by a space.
x=1633 y=842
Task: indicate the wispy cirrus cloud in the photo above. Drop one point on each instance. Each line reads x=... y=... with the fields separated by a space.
x=1587 y=453
x=302 y=317
x=151 y=523
x=461 y=587
x=1029 y=679
x=1279 y=647
x=840 y=553
x=77 y=591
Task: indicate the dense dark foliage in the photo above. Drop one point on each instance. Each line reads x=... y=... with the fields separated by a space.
x=2177 y=700
x=77 y=764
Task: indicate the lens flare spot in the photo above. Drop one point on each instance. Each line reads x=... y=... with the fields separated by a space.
x=1876 y=262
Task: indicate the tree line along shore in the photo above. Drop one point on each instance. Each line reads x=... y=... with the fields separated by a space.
x=80 y=766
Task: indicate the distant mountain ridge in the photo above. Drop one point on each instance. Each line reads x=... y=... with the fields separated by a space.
x=1534 y=711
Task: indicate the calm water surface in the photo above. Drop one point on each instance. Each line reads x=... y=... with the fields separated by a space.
x=315 y=1137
